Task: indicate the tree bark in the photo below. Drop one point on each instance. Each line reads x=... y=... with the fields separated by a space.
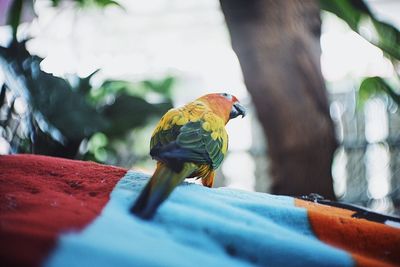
x=277 y=43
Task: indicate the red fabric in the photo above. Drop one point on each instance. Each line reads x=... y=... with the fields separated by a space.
x=40 y=197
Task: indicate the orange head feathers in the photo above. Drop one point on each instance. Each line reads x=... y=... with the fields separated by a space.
x=224 y=105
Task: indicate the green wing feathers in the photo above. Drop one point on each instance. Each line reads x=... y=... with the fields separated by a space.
x=204 y=148
x=199 y=133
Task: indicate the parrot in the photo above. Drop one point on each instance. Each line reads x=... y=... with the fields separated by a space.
x=188 y=142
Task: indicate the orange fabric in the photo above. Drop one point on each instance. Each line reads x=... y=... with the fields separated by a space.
x=370 y=243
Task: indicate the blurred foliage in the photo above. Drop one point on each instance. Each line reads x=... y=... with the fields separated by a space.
x=61 y=116
x=83 y=3
x=374 y=86
x=14 y=16
x=381 y=34
x=44 y=114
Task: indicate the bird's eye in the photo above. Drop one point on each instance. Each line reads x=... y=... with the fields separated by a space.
x=227 y=96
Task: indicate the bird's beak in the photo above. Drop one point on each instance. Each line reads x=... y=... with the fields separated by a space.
x=237 y=109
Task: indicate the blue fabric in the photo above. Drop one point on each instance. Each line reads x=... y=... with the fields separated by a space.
x=198 y=226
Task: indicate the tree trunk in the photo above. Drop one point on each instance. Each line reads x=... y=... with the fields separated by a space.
x=277 y=43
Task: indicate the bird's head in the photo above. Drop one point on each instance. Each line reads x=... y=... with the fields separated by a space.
x=224 y=105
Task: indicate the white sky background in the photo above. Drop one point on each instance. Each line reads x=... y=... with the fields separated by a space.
x=149 y=38
x=187 y=39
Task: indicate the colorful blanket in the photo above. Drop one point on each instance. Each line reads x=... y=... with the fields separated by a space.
x=57 y=212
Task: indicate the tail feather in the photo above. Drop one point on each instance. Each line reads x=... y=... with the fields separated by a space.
x=160 y=186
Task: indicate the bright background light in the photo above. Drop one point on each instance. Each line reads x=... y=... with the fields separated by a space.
x=186 y=39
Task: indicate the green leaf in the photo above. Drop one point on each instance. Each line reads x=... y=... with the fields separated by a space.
x=357 y=15
x=163 y=86
x=360 y=5
x=104 y=3
x=389 y=39
x=55 y=104
x=3 y=95
x=83 y=86
x=83 y=3
x=55 y=2
x=97 y=140
x=111 y=87
x=14 y=16
x=373 y=86
x=344 y=10
x=99 y=3
x=128 y=112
